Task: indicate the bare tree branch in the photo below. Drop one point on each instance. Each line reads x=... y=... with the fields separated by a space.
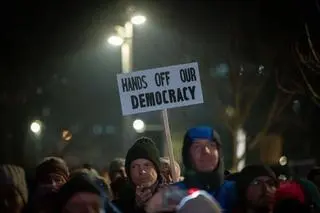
x=277 y=107
x=279 y=85
x=314 y=53
x=314 y=94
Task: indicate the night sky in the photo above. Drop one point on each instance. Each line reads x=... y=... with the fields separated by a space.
x=56 y=57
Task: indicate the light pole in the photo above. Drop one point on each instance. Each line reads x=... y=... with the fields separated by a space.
x=123 y=38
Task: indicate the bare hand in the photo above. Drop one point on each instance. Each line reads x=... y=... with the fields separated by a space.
x=156 y=203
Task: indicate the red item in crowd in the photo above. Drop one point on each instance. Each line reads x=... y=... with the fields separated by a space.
x=290 y=190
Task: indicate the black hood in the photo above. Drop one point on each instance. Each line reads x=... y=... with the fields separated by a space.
x=203 y=180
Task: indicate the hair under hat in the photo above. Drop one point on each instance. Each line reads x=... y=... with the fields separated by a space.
x=144 y=148
x=52 y=165
x=15 y=176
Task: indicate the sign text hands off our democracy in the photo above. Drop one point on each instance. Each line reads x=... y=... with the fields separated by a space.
x=160 y=88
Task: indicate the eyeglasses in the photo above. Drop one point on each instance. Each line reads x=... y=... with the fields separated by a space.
x=270 y=183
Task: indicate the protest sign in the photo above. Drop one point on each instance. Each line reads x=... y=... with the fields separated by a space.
x=160 y=88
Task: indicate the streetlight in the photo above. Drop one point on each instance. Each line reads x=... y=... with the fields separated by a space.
x=138 y=19
x=115 y=40
x=139 y=126
x=124 y=39
x=36 y=127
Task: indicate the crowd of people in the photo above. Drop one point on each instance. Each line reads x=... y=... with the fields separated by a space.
x=144 y=183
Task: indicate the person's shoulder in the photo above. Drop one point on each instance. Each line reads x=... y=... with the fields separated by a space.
x=229 y=189
x=180 y=185
x=229 y=184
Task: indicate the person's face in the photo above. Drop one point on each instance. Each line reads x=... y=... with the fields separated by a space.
x=260 y=192
x=53 y=180
x=121 y=173
x=205 y=155
x=83 y=202
x=143 y=172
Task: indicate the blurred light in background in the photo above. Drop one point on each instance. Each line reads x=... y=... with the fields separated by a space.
x=283 y=160
x=138 y=19
x=241 y=149
x=66 y=135
x=115 y=40
x=230 y=111
x=36 y=127
x=241 y=164
x=139 y=126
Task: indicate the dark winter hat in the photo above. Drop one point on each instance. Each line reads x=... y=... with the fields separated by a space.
x=52 y=165
x=143 y=148
x=249 y=173
x=79 y=183
x=200 y=132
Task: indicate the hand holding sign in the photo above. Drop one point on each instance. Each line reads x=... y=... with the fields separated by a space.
x=160 y=89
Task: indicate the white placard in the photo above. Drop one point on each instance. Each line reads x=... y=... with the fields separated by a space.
x=160 y=88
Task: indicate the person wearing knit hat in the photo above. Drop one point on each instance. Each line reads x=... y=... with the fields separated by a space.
x=52 y=170
x=297 y=196
x=82 y=194
x=142 y=166
x=204 y=167
x=51 y=174
x=257 y=185
x=13 y=189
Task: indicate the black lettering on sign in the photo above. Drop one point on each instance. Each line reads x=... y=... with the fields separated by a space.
x=172 y=96
x=192 y=92
x=184 y=89
x=134 y=83
x=150 y=99
x=179 y=95
x=158 y=98
x=162 y=77
x=167 y=76
x=188 y=75
x=163 y=97
x=134 y=102
x=157 y=79
x=124 y=83
x=142 y=101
